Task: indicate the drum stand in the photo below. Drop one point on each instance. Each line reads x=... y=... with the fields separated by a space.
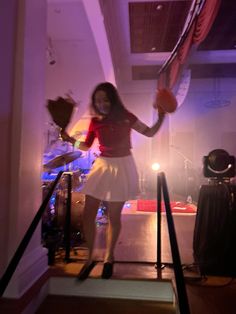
x=56 y=236
x=67 y=226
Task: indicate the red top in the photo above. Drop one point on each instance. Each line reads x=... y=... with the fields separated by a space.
x=113 y=136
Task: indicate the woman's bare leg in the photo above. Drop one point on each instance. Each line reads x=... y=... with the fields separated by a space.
x=89 y=226
x=114 y=228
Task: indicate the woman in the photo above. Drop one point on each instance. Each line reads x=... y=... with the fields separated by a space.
x=113 y=177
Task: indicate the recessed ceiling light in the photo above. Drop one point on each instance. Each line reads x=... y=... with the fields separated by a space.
x=159 y=7
x=57 y=10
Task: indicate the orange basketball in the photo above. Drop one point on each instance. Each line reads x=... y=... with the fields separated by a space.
x=165 y=101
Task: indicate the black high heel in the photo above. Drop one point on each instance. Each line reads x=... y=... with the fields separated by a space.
x=85 y=270
x=107 y=270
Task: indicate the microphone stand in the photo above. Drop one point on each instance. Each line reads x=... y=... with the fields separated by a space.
x=187 y=162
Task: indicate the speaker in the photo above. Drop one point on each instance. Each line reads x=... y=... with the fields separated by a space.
x=215 y=233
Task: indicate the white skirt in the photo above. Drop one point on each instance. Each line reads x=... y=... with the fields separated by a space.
x=112 y=179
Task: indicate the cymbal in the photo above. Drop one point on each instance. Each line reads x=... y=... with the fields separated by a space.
x=62 y=160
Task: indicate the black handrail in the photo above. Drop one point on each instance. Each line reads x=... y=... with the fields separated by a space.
x=179 y=277
x=4 y=281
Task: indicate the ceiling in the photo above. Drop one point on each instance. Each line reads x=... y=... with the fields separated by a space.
x=156 y=27
x=131 y=40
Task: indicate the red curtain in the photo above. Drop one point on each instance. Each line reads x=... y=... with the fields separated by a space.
x=197 y=33
x=175 y=70
x=186 y=46
x=162 y=81
x=205 y=20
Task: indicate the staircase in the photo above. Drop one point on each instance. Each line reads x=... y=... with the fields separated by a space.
x=67 y=295
x=134 y=288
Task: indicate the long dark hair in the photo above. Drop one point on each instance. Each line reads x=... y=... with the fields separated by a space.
x=117 y=106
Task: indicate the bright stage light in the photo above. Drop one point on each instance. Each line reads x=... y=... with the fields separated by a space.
x=156 y=166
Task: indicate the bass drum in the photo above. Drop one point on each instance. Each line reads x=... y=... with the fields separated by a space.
x=77 y=207
x=76 y=180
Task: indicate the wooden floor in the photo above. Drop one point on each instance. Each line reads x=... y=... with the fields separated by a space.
x=136 y=257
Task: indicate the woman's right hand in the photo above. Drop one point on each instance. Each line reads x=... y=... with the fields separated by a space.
x=66 y=137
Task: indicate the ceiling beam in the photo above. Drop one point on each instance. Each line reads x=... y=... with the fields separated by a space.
x=96 y=21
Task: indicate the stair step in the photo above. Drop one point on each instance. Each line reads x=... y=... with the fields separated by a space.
x=74 y=305
x=156 y=290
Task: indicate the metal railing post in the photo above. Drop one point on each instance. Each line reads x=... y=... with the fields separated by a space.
x=158 y=262
x=67 y=227
x=179 y=277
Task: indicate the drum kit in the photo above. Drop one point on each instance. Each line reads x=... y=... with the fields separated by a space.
x=78 y=175
x=62 y=160
x=54 y=216
x=53 y=222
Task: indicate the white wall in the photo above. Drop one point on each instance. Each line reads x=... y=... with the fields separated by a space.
x=196 y=128
x=78 y=67
x=22 y=112
x=7 y=31
x=206 y=126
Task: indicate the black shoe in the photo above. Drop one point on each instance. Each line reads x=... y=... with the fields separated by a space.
x=107 y=270
x=85 y=271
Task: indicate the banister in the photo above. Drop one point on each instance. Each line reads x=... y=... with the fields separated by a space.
x=178 y=271
x=5 y=279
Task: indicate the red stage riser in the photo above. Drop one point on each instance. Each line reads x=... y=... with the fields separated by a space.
x=151 y=206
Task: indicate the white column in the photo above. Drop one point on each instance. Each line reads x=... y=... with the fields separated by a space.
x=24 y=103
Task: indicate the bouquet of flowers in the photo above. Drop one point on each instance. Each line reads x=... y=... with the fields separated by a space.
x=61 y=110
